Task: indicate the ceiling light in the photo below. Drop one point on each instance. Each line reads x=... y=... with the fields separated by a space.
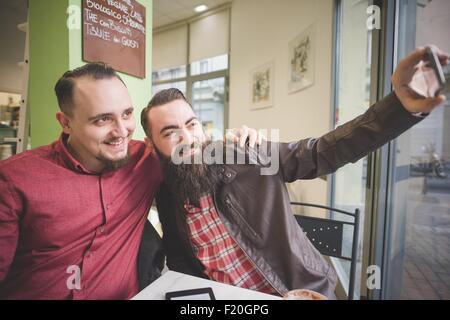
x=200 y=8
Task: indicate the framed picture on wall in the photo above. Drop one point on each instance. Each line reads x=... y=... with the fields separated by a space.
x=262 y=86
x=301 y=60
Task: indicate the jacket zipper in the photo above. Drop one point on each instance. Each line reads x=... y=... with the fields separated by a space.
x=248 y=257
x=228 y=201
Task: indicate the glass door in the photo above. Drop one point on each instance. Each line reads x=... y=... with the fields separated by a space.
x=416 y=242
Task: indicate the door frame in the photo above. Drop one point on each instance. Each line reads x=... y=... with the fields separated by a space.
x=377 y=197
x=381 y=165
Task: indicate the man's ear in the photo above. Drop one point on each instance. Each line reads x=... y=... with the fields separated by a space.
x=64 y=121
x=149 y=144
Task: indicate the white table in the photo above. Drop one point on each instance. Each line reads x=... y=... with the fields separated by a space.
x=175 y=281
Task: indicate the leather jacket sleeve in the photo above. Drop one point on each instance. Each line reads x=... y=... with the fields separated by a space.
x=315 y=157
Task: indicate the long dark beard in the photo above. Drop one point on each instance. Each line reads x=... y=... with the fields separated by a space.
x=188 y=182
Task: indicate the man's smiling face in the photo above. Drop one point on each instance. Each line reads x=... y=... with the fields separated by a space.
x=101 y=124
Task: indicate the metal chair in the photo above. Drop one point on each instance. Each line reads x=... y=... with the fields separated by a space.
x=327 y=236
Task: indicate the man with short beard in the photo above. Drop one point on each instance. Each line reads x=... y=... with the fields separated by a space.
x=72 y=213
x=230 y=223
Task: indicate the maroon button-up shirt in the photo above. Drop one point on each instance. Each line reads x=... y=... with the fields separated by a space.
x=57 y=218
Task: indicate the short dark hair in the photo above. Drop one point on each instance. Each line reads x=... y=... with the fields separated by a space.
x=64 y=86
x=159 y=99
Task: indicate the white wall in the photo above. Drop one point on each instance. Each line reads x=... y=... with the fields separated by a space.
x=260 y=32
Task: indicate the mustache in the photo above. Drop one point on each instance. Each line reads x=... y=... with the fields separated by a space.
x=182 y=149
x=188 y=181
x=115 y=139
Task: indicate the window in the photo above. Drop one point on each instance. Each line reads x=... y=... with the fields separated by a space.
x=169 y=74
x=209 y=102
x=416 y=260
x=352 y=93
x=204 y=85
x=194 y=58
x=180 y=85
x=209 y=65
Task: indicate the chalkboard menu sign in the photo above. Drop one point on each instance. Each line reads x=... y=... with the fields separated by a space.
x=114 y=33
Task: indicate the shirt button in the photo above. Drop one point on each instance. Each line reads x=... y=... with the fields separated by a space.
x=89 y=254
x=228 y=175
x=102 y=229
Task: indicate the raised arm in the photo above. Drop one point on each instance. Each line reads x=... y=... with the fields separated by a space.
x=315 y=157
x=412 y=99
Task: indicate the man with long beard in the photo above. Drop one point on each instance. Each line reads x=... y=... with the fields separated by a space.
x=232 y=224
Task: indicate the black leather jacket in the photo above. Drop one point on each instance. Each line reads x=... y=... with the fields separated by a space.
x=256 y=208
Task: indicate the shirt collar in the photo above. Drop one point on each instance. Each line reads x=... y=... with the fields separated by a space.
x=67 y=157
x=206 y=202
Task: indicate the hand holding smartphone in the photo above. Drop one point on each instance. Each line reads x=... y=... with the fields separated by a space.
x=418 y=80
x=428 y=80
x=437 y=79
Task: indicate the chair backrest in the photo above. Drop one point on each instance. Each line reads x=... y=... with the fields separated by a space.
x=327 y=236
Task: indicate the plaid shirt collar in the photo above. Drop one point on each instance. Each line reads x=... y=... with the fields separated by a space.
x=206 y=202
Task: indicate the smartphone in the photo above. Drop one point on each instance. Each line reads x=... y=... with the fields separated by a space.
x=435 y=65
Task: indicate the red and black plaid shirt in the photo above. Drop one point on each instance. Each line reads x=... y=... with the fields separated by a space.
x=222 y=257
